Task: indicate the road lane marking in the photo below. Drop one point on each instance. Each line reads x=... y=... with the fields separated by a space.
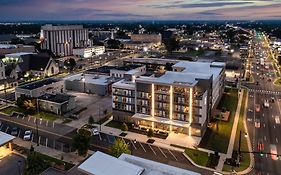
x=22 y=117
x=162 y=152
x=274 y=126
x=276 y=140
x=47 y=123
x=264 y=138
x=151 y=149
x=142 y=147
x=173 y=155
x=28 y=118
x=277 y=120
x=53 y=124
x=263 y=114
x=7 y=129
x=34 y=120
x=18 y=116
x=264 y=125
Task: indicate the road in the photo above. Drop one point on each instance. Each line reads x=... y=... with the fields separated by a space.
x=264 y=124
x=59 y=136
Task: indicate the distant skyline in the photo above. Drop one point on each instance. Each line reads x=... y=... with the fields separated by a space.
x=11 y=10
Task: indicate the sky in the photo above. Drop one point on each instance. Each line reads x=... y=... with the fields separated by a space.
x=139 y=9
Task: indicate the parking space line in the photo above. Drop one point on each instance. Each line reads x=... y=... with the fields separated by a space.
x=173 y=155
x=1 y=127
x=40 y=122
x=47 y=123
x=23 y=118
x=18 y=116
x=19 y=133
x=46 y=141
x=142 y=147
x=53 y=124
x=28 y=118
x=35 y=120
x=54 y=144
x=32 y=137
x=7 y=129
x=151 y=149
x=133 y=144
x=39 y=139
x=162 y=152
x=108 y=138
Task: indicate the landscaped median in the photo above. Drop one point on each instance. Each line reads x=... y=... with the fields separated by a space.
x=44 y=115
x=245 y=159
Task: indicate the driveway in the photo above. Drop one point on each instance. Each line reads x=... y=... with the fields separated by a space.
x=12 y=164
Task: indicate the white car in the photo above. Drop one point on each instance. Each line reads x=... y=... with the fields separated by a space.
x=273 y=152
x=266 y=103
x=27 y=135
x=94 y=131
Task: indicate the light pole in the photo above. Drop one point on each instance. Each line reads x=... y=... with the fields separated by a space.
x=19 y=166
x=239 y=146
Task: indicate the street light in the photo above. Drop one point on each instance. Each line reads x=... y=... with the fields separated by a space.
x=239 y=147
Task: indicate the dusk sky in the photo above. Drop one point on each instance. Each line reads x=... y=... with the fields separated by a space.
x=139 y=9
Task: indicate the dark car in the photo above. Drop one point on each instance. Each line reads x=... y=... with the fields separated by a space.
x=14 y=131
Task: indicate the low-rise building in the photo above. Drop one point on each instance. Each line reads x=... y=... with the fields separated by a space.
x=89 y=51
x=9 y=48
x=39 y=88
x=147 y=38
x=57 y=103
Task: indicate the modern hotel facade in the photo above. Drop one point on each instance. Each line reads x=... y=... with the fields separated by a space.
x=179 y=101
x=62 y=39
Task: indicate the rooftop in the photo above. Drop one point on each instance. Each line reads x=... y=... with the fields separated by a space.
x=106 y=69
x=102 y=164
x=18 y=54
x=93 y=79
x=56 y=98
x=5 y=138
x=37 y=84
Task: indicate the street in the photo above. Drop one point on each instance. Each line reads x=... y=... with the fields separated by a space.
x=263 y=113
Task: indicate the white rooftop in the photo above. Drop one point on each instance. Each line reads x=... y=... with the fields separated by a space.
x=124 y=84
x=154 y=168
x=7 y=46
x=18 y=54
x=90 y=78
x=102 y=164
x=5 y=138
x=213 y=68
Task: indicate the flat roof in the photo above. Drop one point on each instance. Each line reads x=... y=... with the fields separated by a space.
x=93 y=79
x=124 y=84
x=155 y=168
x=56 y=98
x=5 y=138
x=37 y=84
x=102 y=164
x=18 y=54
x=213 y=68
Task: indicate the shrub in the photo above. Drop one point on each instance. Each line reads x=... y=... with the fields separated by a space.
x=150 y=133
x=124 y=127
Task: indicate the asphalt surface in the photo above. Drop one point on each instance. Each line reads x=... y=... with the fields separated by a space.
x=59 y=136
x=12 y=165
x=264 y=124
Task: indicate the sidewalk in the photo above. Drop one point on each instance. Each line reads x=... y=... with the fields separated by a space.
x=233 y=135
x=68 y=157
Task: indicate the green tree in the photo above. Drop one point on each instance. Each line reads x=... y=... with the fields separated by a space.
x=82 y=142
x=171 y=44
x=150 y=133
x=119 y=147
x=124 y=127
x=114 y=44
x=91 y=120
x=70 y=64
x=35 y=164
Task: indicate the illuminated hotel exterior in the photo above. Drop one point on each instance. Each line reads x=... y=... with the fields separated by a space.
x=62 y=39
x=180 y=100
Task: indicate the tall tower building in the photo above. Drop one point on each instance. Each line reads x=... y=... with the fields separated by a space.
x=62 y=39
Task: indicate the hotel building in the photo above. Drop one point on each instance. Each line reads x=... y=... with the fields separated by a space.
x=180 y=100
x=62 y=39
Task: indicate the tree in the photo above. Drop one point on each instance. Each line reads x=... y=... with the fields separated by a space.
x=91 y=120
x=29 y=106
x=119 y=147
x=124 y=127
x=171 y=44
x=169 y=67
x=82 y=142
x=114 y=44
x=35 y=164
x=150 y=133
x=70 y=64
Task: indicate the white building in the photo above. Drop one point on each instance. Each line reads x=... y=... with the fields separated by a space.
x=62 y=39
x=89 y=51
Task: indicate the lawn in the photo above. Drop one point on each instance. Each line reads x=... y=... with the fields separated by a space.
x=217 y=138
x=45 y=115
x=114 y=124
x=245 y=161
x=198 y=157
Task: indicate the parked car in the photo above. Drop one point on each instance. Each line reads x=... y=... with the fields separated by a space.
x=15 y=131
x=27 y=135
x=258 y=108
x=273 y=152
x=94 y=131
x=266 y=104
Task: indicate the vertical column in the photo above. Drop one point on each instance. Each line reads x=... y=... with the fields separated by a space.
x=152 y=103
x=190 y=109
x=171 y=105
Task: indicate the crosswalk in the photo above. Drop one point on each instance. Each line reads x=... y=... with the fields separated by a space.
x=265 y=91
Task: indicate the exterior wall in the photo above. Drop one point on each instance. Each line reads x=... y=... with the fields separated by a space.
x=62 y=39
x=52 y=69
x=117 y=73
x=2 y=70
x=122 y=116
x=89 y=52
x=123 y=100
x=57 y=87
x=57 y=108
x=147 y=38
x=18 y=48
x=87 y=87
